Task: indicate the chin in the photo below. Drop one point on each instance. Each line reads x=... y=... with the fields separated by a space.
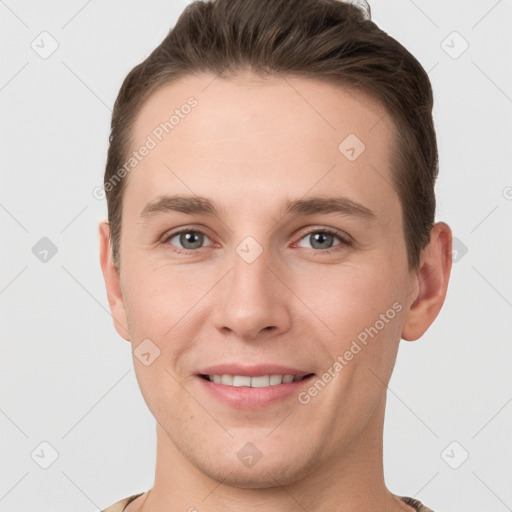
x=269 y=471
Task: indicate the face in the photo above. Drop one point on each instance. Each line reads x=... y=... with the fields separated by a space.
x=262 y=247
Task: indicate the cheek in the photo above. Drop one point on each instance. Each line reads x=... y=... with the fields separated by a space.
x=364 y=309
x=158 y=298
x=348 y=298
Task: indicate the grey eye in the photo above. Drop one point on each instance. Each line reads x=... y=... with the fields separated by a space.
x=189 y=239
x=320 y=239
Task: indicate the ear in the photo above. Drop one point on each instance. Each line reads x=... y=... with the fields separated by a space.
x=112 y=282
x=429 y=283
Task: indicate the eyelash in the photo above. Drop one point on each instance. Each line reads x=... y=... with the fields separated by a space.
x=344 y=241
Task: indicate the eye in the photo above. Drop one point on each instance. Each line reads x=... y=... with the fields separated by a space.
x=188 y=239
x=323 y=240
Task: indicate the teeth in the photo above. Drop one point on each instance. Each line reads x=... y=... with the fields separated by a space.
x=226 y=379
x=239 y=380
x=276 y=379
x=261 y=381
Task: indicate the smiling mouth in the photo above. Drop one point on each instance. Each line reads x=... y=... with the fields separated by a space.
x=259 y=381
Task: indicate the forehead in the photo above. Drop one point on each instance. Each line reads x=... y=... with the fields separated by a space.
x=219 y=134
x=262 y=103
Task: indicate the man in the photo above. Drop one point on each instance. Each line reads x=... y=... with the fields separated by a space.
x=271 y=238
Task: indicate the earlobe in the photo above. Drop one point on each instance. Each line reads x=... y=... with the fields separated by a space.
x=112 y=282
x=430 y=283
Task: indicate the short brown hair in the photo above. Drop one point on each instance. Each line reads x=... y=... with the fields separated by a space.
x=328 y=40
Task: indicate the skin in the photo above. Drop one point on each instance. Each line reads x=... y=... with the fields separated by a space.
x=248 y=146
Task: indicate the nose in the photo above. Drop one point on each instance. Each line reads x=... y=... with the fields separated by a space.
x=252 y=301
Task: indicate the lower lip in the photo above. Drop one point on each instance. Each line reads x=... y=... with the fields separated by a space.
x=244 y=397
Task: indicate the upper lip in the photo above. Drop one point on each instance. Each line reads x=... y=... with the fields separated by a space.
x=253 y=370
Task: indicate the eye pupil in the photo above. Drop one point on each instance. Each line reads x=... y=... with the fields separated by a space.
x=320 y=238
x=191 y=237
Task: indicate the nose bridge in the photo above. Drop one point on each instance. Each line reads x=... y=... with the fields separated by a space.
x=251 y=280
x=250 y=272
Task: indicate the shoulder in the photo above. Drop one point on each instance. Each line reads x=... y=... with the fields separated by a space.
x=120 y=505
x=416 y=504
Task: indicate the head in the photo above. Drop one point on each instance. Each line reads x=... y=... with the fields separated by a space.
x=297 y=141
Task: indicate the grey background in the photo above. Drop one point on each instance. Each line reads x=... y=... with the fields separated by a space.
x=67 y=377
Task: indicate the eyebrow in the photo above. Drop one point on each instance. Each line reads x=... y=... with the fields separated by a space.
x=200 y=205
